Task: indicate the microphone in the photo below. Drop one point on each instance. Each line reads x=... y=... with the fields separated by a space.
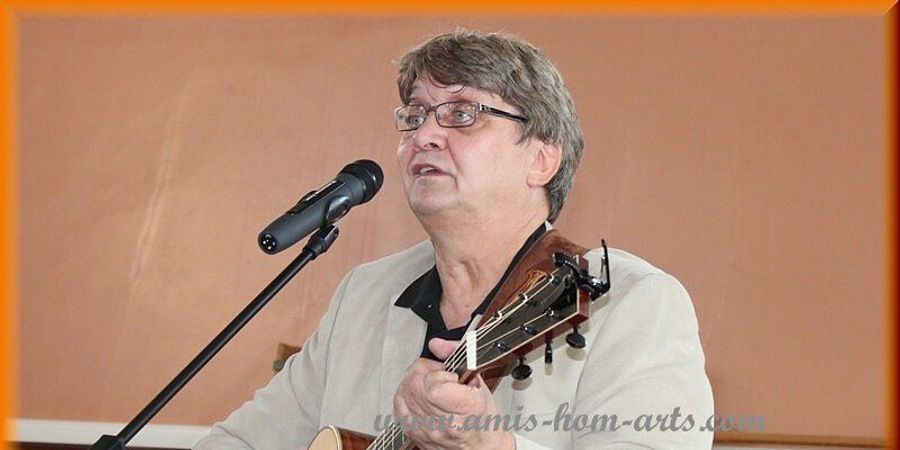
x=356 y=184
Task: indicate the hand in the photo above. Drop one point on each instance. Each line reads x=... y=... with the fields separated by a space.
x=428 y=391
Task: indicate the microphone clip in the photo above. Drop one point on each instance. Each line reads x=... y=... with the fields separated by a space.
x=321 y=240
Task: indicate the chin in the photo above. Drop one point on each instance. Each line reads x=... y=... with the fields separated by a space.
x=430 y=207
x=426 y=210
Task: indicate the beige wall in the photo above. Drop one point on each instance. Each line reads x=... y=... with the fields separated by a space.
x=744 y=155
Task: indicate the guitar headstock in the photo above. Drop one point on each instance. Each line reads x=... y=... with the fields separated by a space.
x=550 y=304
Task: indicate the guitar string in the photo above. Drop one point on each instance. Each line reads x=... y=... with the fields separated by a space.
x=454 y=361
x=456 y=358
x=395 y=429
x=457 y=355
x=496 y=321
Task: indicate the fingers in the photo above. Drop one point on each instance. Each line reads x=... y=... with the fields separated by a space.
x=438 y=395
x=455 y=398
x=423 y=376
x=433 y=379
x=442 y=348
x=423 y=366
x=477 y=382
x=428 y=389
x=463 y=399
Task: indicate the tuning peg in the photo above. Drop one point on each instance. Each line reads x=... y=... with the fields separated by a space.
x=575 y=339
x=522 y=371
x=548 y=352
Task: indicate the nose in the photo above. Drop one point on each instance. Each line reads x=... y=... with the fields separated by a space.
x=430 y=135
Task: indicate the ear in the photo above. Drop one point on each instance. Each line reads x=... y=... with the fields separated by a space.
x=544 y=164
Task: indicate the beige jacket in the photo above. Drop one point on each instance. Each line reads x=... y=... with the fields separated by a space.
x=643 y=357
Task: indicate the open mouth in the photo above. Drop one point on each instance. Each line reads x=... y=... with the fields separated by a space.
x=426 y=170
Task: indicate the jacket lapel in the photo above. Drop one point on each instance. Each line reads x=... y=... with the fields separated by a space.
x=402 y=345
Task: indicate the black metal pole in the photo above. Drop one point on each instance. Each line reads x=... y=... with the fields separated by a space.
x=318 y=244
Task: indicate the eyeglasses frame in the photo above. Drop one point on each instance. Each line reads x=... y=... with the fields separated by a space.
x=481 y=108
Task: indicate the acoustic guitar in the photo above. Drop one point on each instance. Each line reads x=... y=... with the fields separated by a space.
x=547 y=306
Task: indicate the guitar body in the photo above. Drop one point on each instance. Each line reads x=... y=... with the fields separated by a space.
x=334 y=438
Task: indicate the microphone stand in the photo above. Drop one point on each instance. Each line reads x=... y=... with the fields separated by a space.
x=319 y=243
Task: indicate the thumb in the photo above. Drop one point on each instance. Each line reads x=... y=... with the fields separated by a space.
x=442 y=348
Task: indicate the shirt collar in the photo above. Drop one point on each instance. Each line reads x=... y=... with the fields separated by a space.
x=424 y=294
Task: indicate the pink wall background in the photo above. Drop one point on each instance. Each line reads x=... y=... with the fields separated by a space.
x=746 y=156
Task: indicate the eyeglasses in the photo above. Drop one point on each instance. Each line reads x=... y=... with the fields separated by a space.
x=448 y=115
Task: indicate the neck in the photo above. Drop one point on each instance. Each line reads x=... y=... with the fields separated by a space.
x=472 y=255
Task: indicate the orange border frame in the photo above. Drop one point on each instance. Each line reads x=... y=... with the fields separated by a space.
x=8 y=221
x=892 y=55
x=10 y=11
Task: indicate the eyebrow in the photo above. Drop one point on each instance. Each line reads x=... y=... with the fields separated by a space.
x=415 y=100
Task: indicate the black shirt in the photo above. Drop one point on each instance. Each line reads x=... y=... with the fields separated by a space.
x=424 y=297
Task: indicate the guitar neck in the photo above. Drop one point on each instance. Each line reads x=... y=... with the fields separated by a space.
x=392 y=438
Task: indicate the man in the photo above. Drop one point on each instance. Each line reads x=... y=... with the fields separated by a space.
x=489 y=145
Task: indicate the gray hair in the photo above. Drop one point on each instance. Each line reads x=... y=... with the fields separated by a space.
x=521 y=75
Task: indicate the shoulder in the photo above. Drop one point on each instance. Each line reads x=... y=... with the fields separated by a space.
x=393 y=273
x=640 y=289
x=647 y=305
x=627 y=271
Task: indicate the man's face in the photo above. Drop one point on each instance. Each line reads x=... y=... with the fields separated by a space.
x=471 y=170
